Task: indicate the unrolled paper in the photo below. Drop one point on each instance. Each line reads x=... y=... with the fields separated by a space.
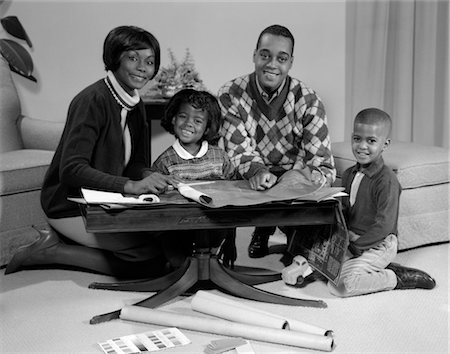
x=226 y=328
x=193 y=194
x=229 y=309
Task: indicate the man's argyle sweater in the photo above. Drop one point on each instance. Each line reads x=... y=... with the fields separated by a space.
x=289 y=133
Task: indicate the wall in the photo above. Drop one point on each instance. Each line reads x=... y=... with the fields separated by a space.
x=68 y=36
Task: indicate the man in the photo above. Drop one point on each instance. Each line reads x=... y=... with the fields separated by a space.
x=274 y=126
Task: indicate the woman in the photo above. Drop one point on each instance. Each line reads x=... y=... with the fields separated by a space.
x=104 y=146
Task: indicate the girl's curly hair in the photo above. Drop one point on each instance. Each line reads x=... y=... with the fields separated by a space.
x=199 y=100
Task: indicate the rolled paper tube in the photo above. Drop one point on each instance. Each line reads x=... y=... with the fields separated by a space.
x=193 y=194
x=229 y=309
x=226 y=328
x=226 y=311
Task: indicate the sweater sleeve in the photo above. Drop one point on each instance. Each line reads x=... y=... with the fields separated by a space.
x=160 y=164
x=315 y=149
x=237 y=141
x=86 y=119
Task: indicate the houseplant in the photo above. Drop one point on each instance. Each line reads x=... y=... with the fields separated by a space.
x=15 y=54
x=177 y=76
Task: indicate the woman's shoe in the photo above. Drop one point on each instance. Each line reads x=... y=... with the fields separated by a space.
x=46 y=239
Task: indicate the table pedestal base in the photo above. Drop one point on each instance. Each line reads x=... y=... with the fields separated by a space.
x=199 y=269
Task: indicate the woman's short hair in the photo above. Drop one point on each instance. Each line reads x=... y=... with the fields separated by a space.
x=200 y=100
x=125 y=38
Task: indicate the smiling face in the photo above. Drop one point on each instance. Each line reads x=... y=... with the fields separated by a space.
x=136 y=68
x=368 y=142
x=273 y=60
x=189 y=125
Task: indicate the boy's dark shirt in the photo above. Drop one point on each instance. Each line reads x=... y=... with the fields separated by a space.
x=374 y=214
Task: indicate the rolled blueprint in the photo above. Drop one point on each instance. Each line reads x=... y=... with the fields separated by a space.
x=226 y=328
x=193 y=194
x=222 y=307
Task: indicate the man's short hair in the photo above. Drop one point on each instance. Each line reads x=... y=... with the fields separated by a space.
x=277 y=30
x=375 y=116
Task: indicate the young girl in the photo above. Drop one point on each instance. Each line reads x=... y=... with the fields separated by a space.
x=194 y=118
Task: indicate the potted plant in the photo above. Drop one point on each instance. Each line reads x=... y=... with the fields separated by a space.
x=14 y=53
x=177 y=76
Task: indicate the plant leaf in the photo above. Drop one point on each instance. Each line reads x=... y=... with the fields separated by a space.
x=13 y=26
x=18 y=58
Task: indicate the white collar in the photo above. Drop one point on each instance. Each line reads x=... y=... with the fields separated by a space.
x=121 y=96
x=186 y=155
x=265 y=95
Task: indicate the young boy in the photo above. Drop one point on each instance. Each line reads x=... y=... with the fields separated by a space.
x=371 y=212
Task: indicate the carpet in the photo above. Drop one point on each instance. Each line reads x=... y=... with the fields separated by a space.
x=48 y=311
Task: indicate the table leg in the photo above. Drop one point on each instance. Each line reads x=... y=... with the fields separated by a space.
x=144 y=285
x=189 y=278
x=186 y=279
x=221 y=278
x=202 y=267
x=252 y=276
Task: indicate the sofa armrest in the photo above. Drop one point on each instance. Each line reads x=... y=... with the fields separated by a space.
x=40 y=134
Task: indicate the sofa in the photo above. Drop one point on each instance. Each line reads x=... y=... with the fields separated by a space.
x=423 y=172
x=26 y=148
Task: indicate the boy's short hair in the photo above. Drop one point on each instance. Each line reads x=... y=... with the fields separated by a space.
x=200 y=100
x=125 y=38
x=375 y=116
x=277 y=30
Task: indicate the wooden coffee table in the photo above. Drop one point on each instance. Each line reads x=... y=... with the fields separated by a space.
x=203 y=269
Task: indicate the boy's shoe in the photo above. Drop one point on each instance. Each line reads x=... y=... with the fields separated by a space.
x=259 y=246
x=410 y=278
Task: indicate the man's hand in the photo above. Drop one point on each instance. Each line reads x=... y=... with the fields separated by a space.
x=294 y=177
x=262 y=180
x=305 y=176
x=318 y=177
x=156 y=183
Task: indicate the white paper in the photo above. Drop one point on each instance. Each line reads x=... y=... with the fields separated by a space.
x=99 y=197
x=193 y=194
x=226 y=328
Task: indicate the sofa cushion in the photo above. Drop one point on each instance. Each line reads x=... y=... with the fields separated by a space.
x=415 y=165
x=23 y=170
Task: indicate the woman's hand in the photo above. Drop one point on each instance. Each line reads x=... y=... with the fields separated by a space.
x=262 y=181
x=156 y=183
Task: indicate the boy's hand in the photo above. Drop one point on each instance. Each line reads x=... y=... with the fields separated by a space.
x=262 y=181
